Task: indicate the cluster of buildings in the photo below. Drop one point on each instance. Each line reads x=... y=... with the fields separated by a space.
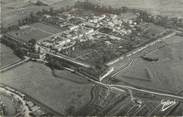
x=81 y=29
x=84 y=40
x=66 y=33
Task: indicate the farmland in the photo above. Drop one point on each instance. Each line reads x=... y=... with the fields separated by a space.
x=14 y=10
x=164 y=75
x=172 y=8
x=137 y=82
x=35 y=31
x=60 y=92
x=7 y=56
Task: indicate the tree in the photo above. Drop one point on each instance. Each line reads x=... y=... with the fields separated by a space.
x=19 y=52
x=124 y=9
x=31 y=44
x=32 y=41
x=19 y=22
x=51 y=11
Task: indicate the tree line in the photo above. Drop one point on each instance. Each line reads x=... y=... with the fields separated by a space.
x=142 y=15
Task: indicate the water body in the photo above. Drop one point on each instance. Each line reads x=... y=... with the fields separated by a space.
x=171 y=8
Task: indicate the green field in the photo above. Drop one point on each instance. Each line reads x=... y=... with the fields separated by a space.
x=60 y=92
x=7 y=56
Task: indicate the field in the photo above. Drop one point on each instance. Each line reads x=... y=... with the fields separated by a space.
x=63 y=91
x=163 y=75
x=7 y=56
x=35 y=31
x=14 y=10
x=172 y=8
x=46 y=28
x=61 y=3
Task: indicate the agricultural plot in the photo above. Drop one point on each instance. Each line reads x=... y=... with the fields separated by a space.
x=62 y=91
x=46 y=28
x=57 y=4
x=35 y=31
x=7 y=56
x=14 y=10
x=170 y=8
x=163 y=75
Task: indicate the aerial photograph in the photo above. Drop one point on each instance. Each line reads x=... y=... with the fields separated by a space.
x=99 y=58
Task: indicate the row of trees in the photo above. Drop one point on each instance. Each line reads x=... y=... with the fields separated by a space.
x=27 y=20
x=17 y=48
x=97 y=7
x=142 y=15
x=164 y=21
x=33 y=17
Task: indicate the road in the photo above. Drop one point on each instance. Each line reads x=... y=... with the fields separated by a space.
x=13 y=65
x=123 y=67
x=123 y=88
x=141 y=48
x=147 y=91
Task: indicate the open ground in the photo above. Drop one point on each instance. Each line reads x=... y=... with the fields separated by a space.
x=60 y=90
x=14 y=10
x=171 y=8
x=164 y=75
x=7 y=56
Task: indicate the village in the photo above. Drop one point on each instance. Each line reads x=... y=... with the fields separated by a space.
x=91 y=59
x=91 y=40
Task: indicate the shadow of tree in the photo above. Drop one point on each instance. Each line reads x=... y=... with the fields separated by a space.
x=75 y=80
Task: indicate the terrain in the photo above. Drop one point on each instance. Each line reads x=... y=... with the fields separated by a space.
x=60 y=90
x=68 y=93
x=7 y=56
x=171 y=8
x=164 y=75
x=14 y=10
